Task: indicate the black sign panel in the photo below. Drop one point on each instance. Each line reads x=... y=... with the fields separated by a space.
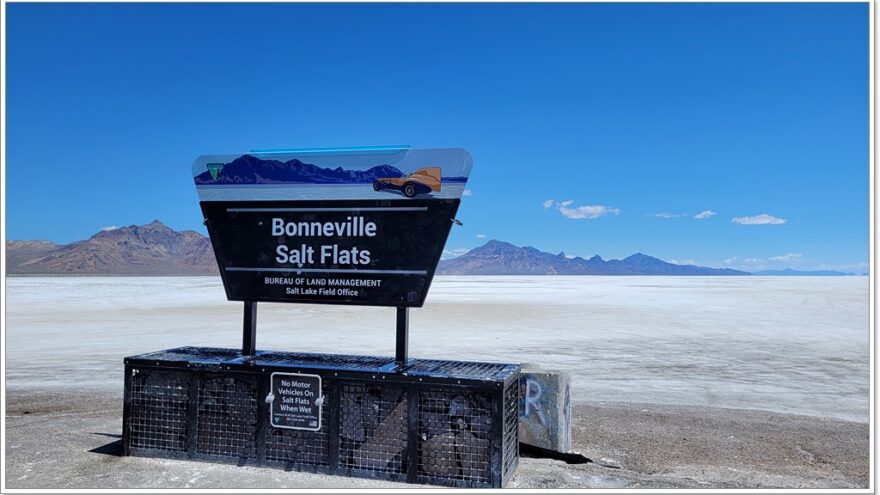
x=346 y=226
x=296 y=401
x=335 y=252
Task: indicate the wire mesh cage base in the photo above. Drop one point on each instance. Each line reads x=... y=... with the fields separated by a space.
x=451 y=423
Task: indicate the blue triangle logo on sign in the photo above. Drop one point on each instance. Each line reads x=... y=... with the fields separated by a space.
x=215 y=169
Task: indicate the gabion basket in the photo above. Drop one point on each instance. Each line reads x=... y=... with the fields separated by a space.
x=451 y=423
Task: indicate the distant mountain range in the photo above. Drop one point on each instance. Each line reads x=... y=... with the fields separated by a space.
x=156 y=249
x=789 y=272
x=248 y=169
x=502 y=258
x=152 y=249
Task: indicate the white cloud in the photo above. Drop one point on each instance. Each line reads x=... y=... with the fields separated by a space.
x=753 y=261
x=704 y=214
x=481 y=236
x=467 y=192
x=110 y=227
x=580 y=212
x=684 y=262
x=664 y=214
x=730 y=260
x=788 y=258
x=448 y=254
x=587 y=211
x=762 y=219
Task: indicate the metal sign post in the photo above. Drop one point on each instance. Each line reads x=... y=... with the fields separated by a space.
x=249 y=330
x=402 y=347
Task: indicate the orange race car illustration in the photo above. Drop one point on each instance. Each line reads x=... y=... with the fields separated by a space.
x=422 y=181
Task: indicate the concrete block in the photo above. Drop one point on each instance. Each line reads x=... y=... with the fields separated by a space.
x=545 y=409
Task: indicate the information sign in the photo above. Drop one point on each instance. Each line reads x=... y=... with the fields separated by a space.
x=336 y=227
x=296 y=401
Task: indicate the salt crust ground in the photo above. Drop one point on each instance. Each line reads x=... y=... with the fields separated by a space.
x=682 y=382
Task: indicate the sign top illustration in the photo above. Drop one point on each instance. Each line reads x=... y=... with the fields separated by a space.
x=334 y=226
x=333 y=174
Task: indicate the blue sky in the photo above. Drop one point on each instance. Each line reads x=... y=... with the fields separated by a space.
x=625 y=120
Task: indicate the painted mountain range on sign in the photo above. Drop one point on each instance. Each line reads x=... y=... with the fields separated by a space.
x=249 y=169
